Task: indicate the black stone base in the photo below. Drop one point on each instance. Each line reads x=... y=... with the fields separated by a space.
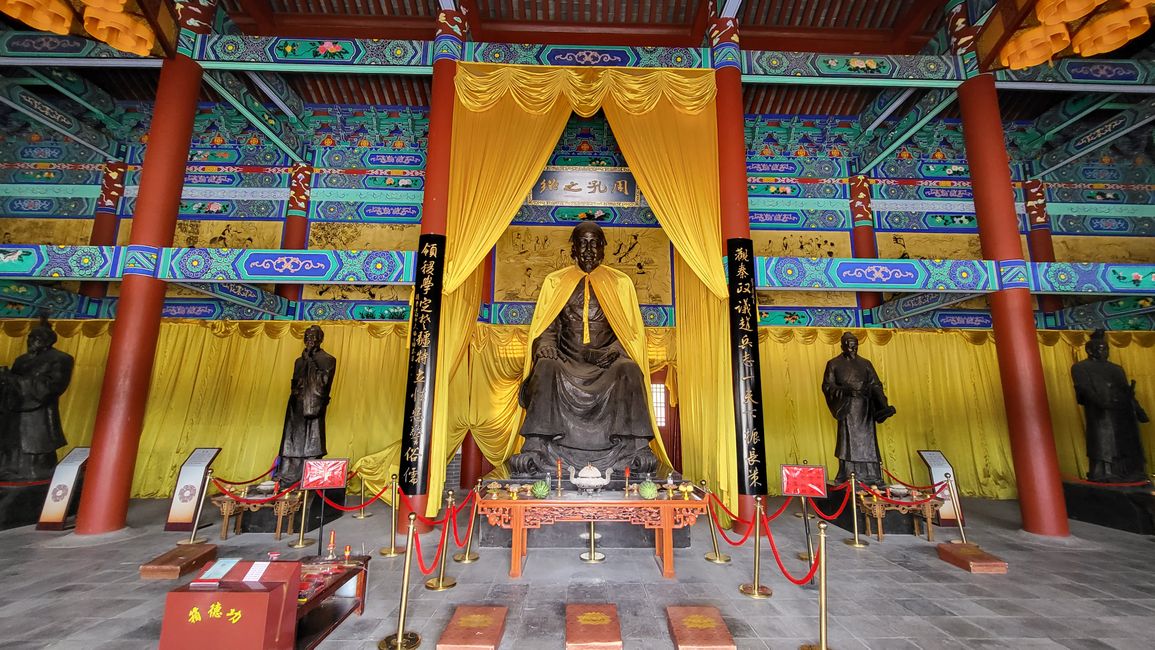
x=893 y=523
x=21 y=506
x=264 y=521
x=1124 y=508
x=614 y=534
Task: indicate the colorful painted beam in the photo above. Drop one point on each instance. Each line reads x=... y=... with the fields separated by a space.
x=881 y=108
x=18 y=48
x=908 y=71
x=40 y=262
x=93 y=98
x=1097 y=314
x=246 y=296
x=36 y=108
x=932 y=103
x=903 y=275
x=282 y=95
x=1060 y=116
x=1083 y=75
x=915 y=304
x=234 y=91
x=1064 y=152
x=1090 y=278
x=285 y=266
x=345 y=55
x=57 y=302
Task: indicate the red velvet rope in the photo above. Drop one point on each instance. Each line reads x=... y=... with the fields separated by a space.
x=23 y=483
x=727 y=510
x=905 y=484
x=224 y=490
x=252 y=480
x=883 y=497
x=1090 y=482
x=714 y=516
x=423 y=519
x=845 y=500
x=436 y=557
x=778 y=558
x=353 y=508
x=456 y=512
x=781 y=509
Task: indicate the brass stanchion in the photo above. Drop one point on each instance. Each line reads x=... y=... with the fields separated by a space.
x=592 y=556
x=808 y=554
x=855 y=542
x=192 y=536
x=753 y=589
x=441 y=583
x=950 y=486
x=361 y=514
x=403 y=640
x=821 y=592
x=391 y=550
x=715 y=556
x=301 y=541
x=468 y=557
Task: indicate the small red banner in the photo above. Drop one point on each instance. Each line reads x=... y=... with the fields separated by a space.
x=324 y=473
x=803 y=481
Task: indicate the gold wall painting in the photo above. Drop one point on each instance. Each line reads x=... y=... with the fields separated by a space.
x=1120 y=250
x=933 y=246
x=62 y=232
x=779 y=243
x=216 y=234
x=325 y=235
x=526 y=254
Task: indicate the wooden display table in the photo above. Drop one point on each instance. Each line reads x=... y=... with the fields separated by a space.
x=340 y=595
x=662 y=515
x=872 y=506
x=285 y=507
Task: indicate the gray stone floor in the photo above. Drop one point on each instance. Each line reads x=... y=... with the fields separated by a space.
x=1095 y=590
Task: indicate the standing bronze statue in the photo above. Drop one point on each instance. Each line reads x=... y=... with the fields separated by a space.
x=31 y=393
x=586 y=397
x=1112 y=416
x=304 y=433
x=854 y=395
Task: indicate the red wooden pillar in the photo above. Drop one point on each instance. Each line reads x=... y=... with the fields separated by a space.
x=424 y=322
x=295 y=235
x=743 y=303
x=1044 y=510
x=104 y=218
x=862 y=241
x=124 y=393
x=1039 y=240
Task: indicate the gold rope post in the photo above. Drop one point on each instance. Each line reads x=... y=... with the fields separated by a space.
x=950 y=486
x=753 y=589
x=192 y=536
x=715 y=556
x=807 y=555
x=821 y=592
x=441 y=583
x=391 y=550
x=469 y=557
x=301 y=541
x=403 y=640
x=855 y=542
x=361 y=514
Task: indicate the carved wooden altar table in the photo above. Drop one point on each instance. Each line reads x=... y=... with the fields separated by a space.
x=876 y=508
x=662 y=515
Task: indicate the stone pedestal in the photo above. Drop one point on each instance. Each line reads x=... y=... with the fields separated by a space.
x=264 y=521
x=1124 y=508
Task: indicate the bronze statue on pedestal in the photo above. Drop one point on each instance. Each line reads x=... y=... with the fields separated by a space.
x=304 y=432
x=30 y=406
x=586 y=399
x=855 y=397
x=1112 y=416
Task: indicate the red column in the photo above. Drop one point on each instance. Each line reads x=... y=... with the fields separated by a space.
x=104 y=218
x=862 y=241
x=1039 y=241
x=1044 y=510
x=295 y=235
x=124 y=394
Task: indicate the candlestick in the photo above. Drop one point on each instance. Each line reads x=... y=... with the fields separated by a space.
x=332 y=545
x=348 y=552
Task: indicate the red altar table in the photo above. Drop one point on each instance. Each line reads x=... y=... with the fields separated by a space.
x=662 y=515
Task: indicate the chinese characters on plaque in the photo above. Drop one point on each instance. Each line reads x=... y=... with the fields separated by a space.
x=745 y=367
x=584 y=186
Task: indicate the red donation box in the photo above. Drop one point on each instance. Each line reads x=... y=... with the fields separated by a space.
x=804 y=481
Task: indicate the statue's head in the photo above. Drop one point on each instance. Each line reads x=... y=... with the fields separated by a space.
x=41 y=337
x=1097 y=347
x=587 y=245
x=849 y=344
x=313 y=337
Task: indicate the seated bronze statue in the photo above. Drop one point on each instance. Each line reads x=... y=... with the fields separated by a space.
x=586 y=397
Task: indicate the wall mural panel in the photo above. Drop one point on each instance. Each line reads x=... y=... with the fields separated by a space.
x=361 y=236
x=67 y=232
x=1130 y=250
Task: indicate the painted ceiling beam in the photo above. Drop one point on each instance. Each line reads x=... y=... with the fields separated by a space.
x=913 y=304
x=246 y=296
x=234 y=91
x=928 y=107
x=1062 y=115
x=881 y=108
x=92 y=98
x=1077 y=145
x=58 y=302
x=282 y=95
x=43 y=112
x=1096 y=314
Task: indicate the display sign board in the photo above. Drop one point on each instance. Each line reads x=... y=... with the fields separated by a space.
x=325 y=473
x=804 y=481
x=189 y=485
x=939 y=467
x=62 y=492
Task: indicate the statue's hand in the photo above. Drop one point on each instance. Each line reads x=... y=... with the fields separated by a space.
x=547 y=352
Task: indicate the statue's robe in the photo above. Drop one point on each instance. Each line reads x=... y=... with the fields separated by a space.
x=303 y=435
x=1112 y=419
x=36 y=383
x=578 y=410
x=854 y=396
